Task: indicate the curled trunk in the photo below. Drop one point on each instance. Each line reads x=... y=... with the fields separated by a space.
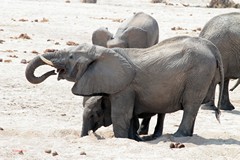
x=34 y=64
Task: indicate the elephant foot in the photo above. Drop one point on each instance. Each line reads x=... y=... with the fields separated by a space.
x=181 y=134
x=208 y=106
x=150 y=137
x=227 y=107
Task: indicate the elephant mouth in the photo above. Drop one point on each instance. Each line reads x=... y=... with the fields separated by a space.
x=61 y=72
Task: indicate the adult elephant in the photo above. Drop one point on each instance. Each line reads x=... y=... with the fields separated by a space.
x=179 y=73
x=139 y=31
x=224 y=31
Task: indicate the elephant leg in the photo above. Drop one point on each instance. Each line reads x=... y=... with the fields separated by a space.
x=144 y=126
x=122 y=112
x=159 y=126
x=226 y=104
x=187 y=124
x=134 y=125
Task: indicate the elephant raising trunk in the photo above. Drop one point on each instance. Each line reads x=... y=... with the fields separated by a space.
x=46 y=59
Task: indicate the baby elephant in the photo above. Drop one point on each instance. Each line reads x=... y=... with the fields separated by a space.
x=97 y=113
x=140 y=31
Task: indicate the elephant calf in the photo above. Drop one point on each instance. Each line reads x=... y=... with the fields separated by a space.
x=178 y=73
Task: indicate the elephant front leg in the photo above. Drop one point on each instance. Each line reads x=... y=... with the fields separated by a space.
x=226 y=104
x=122 y=112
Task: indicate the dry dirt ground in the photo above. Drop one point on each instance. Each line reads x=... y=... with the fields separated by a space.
x=35 y=119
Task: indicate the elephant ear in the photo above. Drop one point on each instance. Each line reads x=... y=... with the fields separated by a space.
x=101 y=36
x=108 y=73
x=136 y=37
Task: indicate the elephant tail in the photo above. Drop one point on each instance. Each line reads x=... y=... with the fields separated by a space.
x=221 y=85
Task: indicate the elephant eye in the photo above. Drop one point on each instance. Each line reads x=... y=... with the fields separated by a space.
x=71 y=56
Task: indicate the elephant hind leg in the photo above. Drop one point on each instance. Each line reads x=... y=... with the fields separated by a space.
x=187 y=124
x=226 y=104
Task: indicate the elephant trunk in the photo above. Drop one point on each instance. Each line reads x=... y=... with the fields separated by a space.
x=86 y=127
x=35 y=63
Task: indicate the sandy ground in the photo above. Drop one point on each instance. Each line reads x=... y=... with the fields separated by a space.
x=36 y=118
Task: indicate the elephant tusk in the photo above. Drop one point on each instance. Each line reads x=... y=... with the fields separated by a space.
x=46 y=60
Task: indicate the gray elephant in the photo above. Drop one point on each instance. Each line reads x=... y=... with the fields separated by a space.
x=179 y=73
x=140 y=31
x=97 y=113
x=224 y=31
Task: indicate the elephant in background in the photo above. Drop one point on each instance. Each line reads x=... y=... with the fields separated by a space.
x=139 y=31
x=178 y=73
x=224 y=31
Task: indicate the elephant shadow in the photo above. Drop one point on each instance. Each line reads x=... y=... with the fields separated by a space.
x=196 y=140
x=233 y=112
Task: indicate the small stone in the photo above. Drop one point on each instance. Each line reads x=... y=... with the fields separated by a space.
x=48 y=151
x=172 y=145
x=63 y=114
x=1 y=129
x=34 y=52
x=20 y=152
x=54 y=153
x=181 y=146
x=57 y=43
x=71 y=43
x=7 y=61
x=1 y=60
x=23 y=61
x=83 y=153
x=67 y=1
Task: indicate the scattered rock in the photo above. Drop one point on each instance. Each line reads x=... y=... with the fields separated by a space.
x=63 y=114
x=177 y=145
x=54 y=153
x=71 y=43
x=50 y=50
x=57 y=43
x=1 y=29
x=13 y=56
x=24 y=61
x=48 y=151
x=35 y=52
x=20 y=152
x=7 y=61
x=1 y=60
x=67 y=1
x=177 y=28
x=44 y=20
x=157 y=1
x=1 y=129
x=24 y=36
x=83 y=153
x=23 y=20
x=89 y=1
x=1 y=41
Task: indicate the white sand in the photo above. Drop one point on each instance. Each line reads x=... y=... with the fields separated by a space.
x=35 y=118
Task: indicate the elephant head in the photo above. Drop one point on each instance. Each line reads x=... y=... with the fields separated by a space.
x=132 y=37
x=95 y=70
x=101 y=36
x=97 y=113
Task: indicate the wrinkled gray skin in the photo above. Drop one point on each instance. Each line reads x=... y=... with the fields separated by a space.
x=224 y=32
x=139 y=31
x=141 y=80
